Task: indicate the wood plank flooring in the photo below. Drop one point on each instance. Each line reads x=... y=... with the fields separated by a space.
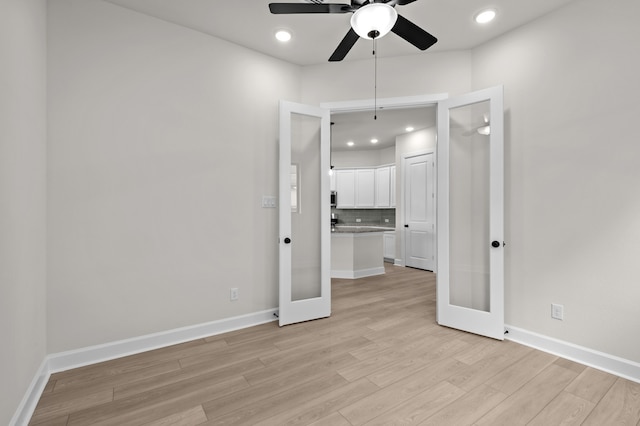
x=380 y=359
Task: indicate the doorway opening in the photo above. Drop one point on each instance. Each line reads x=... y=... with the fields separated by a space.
x=353 y=123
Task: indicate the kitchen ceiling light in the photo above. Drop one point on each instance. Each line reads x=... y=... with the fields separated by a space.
x=374 y=140
x=350 y=143
x=374 y=20
x=283 y=35
x=485 y=16
x=409 y=129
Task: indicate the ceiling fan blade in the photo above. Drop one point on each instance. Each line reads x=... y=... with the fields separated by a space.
x=289 y=8
x=345 y=46
x=413 y=33
x=398 y=2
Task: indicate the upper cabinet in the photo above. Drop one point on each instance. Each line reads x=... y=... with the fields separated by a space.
x=346 y=188
x=383 y=187
x=365 y=187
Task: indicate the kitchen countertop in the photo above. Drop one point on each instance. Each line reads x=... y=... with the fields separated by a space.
x=358 y=229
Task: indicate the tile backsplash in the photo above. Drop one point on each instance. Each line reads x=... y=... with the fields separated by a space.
x=366 y=216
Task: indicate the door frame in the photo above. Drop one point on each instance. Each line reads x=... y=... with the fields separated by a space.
x=386 y=103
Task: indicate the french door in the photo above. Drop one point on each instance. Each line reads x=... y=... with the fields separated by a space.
x=304 y=214
x=470 y=205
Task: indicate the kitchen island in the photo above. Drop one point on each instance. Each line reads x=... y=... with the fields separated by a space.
x=357 y=251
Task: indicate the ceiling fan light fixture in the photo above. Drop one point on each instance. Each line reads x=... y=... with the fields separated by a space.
x=374 y=20
x=485 y=130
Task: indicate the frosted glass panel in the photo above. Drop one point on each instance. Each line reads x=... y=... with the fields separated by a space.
x=305 y=208
x=469 y=207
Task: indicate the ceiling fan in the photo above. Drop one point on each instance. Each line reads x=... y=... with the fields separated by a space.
x=371 y=19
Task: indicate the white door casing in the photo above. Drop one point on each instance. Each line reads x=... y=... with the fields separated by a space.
x=470 y=214
x=304 y=230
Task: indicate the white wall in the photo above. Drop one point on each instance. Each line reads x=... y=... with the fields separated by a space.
x=363 y=158
x=162 y=142
x=422 y=74
x=22 y=197
x=572 y=155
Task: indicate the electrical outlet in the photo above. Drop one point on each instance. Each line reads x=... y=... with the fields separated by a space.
x=358 y=220
x=233 y=294
x=386 y=221
x=557 y=311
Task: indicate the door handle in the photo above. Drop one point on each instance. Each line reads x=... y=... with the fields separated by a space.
x=287 y=240
x=495 y=244
x=406 y=226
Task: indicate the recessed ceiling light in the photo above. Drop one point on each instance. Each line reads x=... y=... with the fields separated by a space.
x=409 y=129
x=283 y=35
x=374 y=140
x=485 y=16
x=350 y=143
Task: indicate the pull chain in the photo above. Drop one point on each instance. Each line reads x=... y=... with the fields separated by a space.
x=375 y=80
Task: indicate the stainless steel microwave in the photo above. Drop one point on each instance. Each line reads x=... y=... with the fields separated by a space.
x=334 y=198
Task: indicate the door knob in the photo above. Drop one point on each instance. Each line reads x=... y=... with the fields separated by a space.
x=495 y=244
x=287 y=240
x=406 y=226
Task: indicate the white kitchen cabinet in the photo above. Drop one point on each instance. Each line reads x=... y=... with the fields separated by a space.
x=383 y=187
x=373 y=187
x=392 y=186
x=346 y=188
x=365 y=192
x=389 y=245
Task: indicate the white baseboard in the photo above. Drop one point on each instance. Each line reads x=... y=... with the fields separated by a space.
x=62 y=361
x=602 y=361
x=360 y=273
x=398 y=262
x=30 y=400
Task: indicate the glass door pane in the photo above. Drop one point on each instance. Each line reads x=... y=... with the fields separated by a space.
x=305 y=207
x=469 y=207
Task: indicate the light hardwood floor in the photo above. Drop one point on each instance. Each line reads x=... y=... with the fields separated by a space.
x=380 y=359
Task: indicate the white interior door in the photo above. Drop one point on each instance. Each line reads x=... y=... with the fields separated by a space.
x=470 y=229
x=304 y=214
x=419 y=226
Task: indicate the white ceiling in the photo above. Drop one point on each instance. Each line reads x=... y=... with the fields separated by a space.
x=249 y=23
x=315 y=36
x=360 y=127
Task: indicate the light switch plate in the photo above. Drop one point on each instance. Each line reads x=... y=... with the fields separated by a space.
x=268 y=202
